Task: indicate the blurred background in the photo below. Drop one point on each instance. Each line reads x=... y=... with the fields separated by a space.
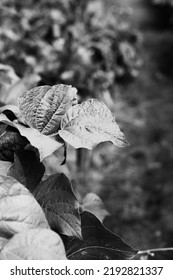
x=121 y=52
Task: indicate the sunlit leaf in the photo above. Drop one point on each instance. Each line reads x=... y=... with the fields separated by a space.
x=3 y=241
x=88 y=124
x=34 y=244
x=60 y=205
x=44 y=106
x=19 y=210
x=97 y=243
x=4 y=167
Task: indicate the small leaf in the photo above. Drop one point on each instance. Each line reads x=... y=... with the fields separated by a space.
x=156 y=254
x=44 y=106
x=60 y=205
x=93 y=203
x=19 y=210
x=90 y=123
x=97 y=243
x=45 y=144
x=34 y=244
x=10 y=141
x=27 y=169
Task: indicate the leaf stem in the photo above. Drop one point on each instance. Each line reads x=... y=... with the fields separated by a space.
x=150 y=251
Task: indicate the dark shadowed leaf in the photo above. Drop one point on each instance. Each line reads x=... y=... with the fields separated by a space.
x=10 y=142
x=44 y=106
x=90 y=123
x=156 y=254
x=60 y=205
x=97 y=242
x=46 y=145
x=27 y=169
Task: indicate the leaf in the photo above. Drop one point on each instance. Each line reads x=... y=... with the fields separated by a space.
x=8 y=78
x=24 y=84
x=27 y=169
x=44 y=106
x=4 y=167
x=90 y=123
x=12 y=86
x=156 y=254
x=45 y=144
x=93 y=203
x=60 y=205
x=97 y=243
x=11 y=111
x=3 y=241
x=10 y=141
x=34 y=244
x=19 y=210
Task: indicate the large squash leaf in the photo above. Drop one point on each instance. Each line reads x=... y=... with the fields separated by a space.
x=97 y=242
x=19 y=210
x=27 y=168
x=34 y=244
x=45 y=144
x=44 y=106
x=60 y=205
x=90 y=123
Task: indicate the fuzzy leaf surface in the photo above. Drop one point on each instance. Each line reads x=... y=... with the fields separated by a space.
x=19 y=210
x=60 y=205
x=90 y=123
x=97 y=242
x=45 y=144
x=34 y=244
x=27 y=169
x=44 y=106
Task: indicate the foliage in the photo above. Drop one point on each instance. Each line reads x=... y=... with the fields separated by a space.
x=81 y=232
x=60 y=222
x=24 y=231
x=83 y=43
